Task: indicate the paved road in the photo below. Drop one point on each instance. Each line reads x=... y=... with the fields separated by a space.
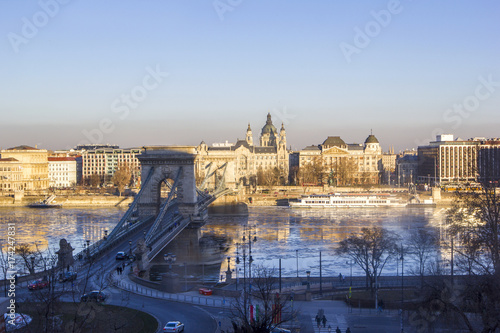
x=205 y=319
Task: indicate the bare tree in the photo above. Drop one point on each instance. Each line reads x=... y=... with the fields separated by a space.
x=273 y=309
x=370 y=250
x=27 y=253
x=312 y=172
x=59 y=316
x=5 y=265
x=94 y=180
x=473 y=299
x=474 y=221
x=344 y=170
x=422 y=245
x=122 y=177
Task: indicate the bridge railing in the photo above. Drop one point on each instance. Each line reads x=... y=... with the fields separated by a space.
x=220 y=302
x=102 y=245
x=168 y=227
x=166 y=237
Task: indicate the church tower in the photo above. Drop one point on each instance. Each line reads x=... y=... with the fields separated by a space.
x=249 y=135
x=268 y=134
x=282 y=143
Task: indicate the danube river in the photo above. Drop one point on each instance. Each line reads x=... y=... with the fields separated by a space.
x=296 y=236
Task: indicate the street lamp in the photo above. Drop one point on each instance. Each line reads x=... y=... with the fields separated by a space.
x=308 y=273
x=130 y=244
x=88 y=248
x=32 y=258
x=402 y=286
x=350 y=264
x=250 y=258
x=297 y=261
x=53 y=261
x=169 y=259
x=320 y=276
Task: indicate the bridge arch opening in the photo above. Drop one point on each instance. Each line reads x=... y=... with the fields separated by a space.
x=170 y=166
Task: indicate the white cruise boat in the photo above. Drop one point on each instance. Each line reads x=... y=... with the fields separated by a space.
x=347 y=200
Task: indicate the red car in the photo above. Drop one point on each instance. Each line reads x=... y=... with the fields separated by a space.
x=38 y=284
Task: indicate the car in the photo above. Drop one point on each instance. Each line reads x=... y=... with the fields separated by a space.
x=173 y=326
x=94 y=295
x=38 y=284
x=280 y=330
x=121 y=256
x=67 y=276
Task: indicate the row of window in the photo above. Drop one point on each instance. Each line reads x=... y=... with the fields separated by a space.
x=346 y=202
x=8 y=169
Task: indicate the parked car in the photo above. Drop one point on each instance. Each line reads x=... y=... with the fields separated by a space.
x=121 y=256
x=94 y=295
x=67 y=276
x=38 y=284
x=280 y=330
x=173 y=326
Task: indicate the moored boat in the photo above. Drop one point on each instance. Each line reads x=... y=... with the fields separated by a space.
x=46 y=203
x=41 y=204
x=347 y=200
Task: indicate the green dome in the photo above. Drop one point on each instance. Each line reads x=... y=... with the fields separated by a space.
x=269 y=127
x=371 y=139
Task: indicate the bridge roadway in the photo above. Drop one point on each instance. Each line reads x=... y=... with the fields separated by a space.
x=96 y=276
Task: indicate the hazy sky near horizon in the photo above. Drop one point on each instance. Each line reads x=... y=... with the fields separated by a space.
x=136 y=73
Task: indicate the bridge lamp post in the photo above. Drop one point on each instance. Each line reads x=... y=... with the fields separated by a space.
x=32 y=258
x=350 y=263
x=130 y=244
x=297 y=261
x=237 y=262
x=169 y=259
x=88 y=248
x=52 y=280
x=250 y=258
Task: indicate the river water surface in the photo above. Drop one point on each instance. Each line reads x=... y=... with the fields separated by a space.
x=296 y=236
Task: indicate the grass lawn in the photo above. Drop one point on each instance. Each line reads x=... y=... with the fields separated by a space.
x=87 y=317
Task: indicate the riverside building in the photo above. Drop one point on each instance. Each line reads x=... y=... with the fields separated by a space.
x=247 y=163
x=30 y=164
x=103 y=162
x=456 y=161
x=340 y=164
x=62 y=172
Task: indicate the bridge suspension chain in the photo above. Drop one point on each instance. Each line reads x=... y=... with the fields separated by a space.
x=165 y=206
x=129 y=212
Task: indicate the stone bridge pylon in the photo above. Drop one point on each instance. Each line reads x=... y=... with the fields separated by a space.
x=168 y=162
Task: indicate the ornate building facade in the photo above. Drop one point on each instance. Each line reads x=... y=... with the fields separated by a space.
x=337 y=163
x=245 y=162
x=33 y=164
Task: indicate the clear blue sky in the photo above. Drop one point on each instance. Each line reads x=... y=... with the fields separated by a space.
x=228 y=66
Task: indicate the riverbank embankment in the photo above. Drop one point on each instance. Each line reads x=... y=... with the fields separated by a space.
x=233 y=204
x=71 y=201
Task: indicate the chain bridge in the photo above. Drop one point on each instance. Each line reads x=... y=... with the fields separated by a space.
x=170 y=170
